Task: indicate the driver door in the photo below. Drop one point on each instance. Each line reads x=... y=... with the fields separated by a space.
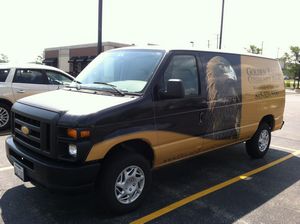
x=179 y=120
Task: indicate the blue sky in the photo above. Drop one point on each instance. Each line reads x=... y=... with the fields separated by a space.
x=29 y=26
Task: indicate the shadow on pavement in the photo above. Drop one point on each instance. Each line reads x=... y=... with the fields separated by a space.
x=170 y=184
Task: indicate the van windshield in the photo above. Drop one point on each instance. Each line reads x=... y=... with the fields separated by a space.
x=125 y=70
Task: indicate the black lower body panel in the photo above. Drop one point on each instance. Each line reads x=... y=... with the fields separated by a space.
x=50 y=174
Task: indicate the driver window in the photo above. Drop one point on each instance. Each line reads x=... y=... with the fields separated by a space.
x=183 y=67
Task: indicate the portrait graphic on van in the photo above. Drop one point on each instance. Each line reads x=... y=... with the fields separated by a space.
x=223 y=91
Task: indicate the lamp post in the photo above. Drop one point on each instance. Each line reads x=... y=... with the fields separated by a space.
x=221 y=29
x=99 y=46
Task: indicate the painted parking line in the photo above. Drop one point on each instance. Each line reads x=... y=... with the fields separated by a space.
x=210 y=190
x=6 y=168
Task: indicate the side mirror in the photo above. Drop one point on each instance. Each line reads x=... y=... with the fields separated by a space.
x=175 y=89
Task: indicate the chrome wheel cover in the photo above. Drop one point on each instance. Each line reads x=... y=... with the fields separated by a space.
x=263 y=140
x=129 y=184
x=4 y=117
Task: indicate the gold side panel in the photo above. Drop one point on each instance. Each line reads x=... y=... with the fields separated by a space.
x=262 y=93
x=172 y=146
x=100 y=149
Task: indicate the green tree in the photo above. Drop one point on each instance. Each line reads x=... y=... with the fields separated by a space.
x=3 y=58
x=295 y=53
x=292 y=66
x=254 y=49
x=295 y=68
x=286 y=60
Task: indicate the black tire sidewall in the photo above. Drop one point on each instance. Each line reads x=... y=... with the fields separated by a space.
x=252 y=145
x=112 y=168
x=7 y=108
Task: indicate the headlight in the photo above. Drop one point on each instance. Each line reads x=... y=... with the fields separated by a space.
x=73 y=150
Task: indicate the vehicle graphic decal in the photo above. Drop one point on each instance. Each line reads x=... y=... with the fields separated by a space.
x=223 y=90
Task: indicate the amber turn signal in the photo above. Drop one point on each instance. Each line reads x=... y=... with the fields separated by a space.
x=85 y=134
x=73 y=133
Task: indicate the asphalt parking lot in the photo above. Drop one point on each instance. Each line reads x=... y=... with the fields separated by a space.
x=224 y=186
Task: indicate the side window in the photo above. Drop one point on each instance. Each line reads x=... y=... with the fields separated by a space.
x=184 y=67
x=56 y=78
x=3 y=74
x=30 y=76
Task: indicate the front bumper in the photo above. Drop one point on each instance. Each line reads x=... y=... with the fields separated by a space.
x=54 y=175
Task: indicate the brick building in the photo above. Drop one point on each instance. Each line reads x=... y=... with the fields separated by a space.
x=73 y=59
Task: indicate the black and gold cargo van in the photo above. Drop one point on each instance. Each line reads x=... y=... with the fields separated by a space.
x=133 y=109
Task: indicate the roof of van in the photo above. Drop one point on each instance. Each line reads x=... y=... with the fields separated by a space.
x=167 y=49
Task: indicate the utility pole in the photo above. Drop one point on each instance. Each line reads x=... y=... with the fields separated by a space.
x=262 y=47
x=221 y=29
x=208 y=43
x=99 y=46
x=217 y=41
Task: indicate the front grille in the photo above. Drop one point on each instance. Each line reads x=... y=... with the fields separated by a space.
x=38 y=138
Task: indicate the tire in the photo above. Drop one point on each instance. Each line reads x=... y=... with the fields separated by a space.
x=259 y=144
x=133 y=187
x=4 y=117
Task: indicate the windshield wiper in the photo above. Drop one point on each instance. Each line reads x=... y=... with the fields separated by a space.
x=77 y=86
x=112 y=86
x=74 y=80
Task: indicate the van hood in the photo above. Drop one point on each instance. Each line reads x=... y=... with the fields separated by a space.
x=74 y=102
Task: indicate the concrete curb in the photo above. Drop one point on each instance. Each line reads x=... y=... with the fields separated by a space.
x=292 y=91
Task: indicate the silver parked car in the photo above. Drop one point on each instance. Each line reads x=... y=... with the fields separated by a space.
x=24 y=80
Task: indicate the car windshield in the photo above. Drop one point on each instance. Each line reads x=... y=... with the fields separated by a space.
x=127 y=71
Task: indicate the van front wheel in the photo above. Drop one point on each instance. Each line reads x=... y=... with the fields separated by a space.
x=259 y=144
x=125 y=182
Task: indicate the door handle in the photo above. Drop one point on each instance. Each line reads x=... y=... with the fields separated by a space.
x=20 y=91
x=201 y=117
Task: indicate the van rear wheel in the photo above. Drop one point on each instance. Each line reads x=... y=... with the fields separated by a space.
x=259 y=144
x=124 y=182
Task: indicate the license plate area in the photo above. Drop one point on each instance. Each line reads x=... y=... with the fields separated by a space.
x=19 y=171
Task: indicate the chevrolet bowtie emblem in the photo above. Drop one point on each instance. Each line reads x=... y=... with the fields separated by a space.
x=25 y=130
